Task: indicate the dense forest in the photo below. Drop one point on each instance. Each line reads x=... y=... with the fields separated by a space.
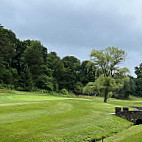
x=27 y=66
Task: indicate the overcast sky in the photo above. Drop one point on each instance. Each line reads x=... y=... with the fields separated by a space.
x=75 y=27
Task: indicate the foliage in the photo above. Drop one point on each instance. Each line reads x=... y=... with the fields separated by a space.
x=71 y=72
x=45 y=82
x=138 y=71
x=25 y=81
x=34 y=57
x=8 y=45
x=127 y=89
x=56 y=66
x=107 y=61
x=64 y=92
x=78 y=88
x=138 y=80
x=26 y=65
x=104 y=84
x=87 y=72
x=89 y=89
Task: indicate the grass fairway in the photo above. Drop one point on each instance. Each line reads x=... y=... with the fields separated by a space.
x=32 y=117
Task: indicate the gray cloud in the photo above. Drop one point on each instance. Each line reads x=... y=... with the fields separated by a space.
x=72 y=27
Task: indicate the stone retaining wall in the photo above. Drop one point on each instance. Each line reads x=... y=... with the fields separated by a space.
x=132 y=116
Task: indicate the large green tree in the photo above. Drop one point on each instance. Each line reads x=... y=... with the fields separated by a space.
x=108 y=61
x=8 y=45
x=71 y=73
x=34 y=57
x=55 y=67
x=88 y=72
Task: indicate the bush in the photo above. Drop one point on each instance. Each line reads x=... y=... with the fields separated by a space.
x=20 y=89
x=64 y=92
x=1 y=86
x=89 y=89
x=45 y=82
x=78 y=88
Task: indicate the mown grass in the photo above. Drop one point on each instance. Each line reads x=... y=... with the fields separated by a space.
x=133 y=134
x=34 y=117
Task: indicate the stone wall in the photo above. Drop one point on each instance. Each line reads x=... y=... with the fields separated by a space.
x=132 y=116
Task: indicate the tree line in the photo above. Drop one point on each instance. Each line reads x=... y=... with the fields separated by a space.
x=27 y=66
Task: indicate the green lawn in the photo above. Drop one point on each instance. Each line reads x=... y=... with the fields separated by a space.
x=133 y=134
x=33 y=117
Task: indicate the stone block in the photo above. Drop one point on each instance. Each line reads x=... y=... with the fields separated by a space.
x=125 y=109
x=117 y=109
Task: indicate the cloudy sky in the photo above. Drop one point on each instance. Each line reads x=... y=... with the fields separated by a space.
x=75 y=27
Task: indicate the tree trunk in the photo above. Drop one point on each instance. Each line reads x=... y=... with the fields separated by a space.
x=105 y=99
x=105 y=96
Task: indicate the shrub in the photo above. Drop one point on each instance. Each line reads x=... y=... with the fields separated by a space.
x=1 y=86
x=78 y=88
x=45 y=82
x=64 y=92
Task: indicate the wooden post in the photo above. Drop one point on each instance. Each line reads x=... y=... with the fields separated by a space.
x=102 y=138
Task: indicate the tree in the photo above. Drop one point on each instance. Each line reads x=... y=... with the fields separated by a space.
x=71 y=73
x=87 y=72
x=105 y=85
x=55 y=66
x=129 y=88
x=45 y=82
x=8 y=45
x=21 y=46
x=90 y=89
x=25 y=81
x=138 y=87
x=138 y=71
x=138 y=80
x=33 y=56
x=78 y=88
x=108 y=62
